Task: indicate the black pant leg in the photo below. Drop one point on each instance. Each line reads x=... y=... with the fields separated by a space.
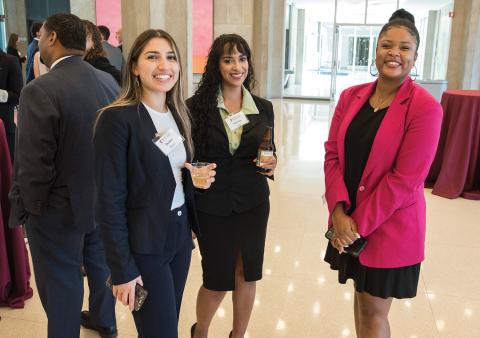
x=100 y=299
x=56 y=255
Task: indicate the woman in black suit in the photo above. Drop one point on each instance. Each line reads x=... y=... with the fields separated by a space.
x=95 y=54
x=233 y=214
x=12 y=48
x=144 y=203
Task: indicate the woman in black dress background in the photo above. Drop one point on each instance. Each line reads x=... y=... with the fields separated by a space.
x=233 y=214
x=12 y=48
x=95 y=54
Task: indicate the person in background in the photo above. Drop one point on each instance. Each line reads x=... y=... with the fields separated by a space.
x=233 y=215
x=39 y=68
x=11 y=83
x=53 y=184
x=12 y=48
x=94 y=53
x=113 y=54
x=145 y=205
x=119 y=37
x=381 y=143
x=31 y=50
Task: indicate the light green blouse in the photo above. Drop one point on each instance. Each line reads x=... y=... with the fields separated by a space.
x=248 y=108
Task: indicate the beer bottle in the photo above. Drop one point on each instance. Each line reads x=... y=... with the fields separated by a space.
x=265 y=151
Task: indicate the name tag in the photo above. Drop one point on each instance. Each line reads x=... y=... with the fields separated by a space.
x=236 y=120
x=168 y=141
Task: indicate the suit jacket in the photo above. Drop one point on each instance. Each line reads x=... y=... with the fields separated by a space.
x=135 y=188
x=10 y=80
x=390 y=208
x=53 y=166
x=103 y=64
x=14 y=52
x=237 y=187
x=114 y=55
x=31 y=50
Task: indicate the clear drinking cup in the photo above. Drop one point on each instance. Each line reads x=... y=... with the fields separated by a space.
x=200 y=174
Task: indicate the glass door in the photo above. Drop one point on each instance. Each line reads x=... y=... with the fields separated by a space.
x=354 y=53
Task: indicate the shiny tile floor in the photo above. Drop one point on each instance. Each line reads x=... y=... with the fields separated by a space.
x=299 y=296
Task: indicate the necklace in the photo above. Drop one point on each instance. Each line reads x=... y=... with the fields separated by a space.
x=381 y=101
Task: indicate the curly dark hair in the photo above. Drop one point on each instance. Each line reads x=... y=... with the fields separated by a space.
x=205 y=98
x=97 y=48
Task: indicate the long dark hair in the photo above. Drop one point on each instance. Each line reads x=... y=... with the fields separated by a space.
x=131 y=93
x=97 y=48
x=205 y=98
x=12 y=41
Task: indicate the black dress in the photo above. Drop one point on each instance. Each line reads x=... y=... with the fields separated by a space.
x=380 y=282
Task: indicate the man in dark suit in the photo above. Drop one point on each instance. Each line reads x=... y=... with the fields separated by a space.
x=11 y=83
x=114 y=55
x=31 y=50
x=53 y=185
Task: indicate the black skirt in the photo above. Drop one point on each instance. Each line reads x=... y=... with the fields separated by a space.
x=379 y=282
x=223 y=238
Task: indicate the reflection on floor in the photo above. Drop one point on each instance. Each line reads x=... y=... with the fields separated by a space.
x=299 y=296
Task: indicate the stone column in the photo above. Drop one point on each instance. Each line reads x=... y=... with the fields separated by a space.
x=300 y=46
x=430 y=45
x=173 y=16
x=16 y=22
x=84 y=9
x=269 y=47
x=233 y=16
x=464 y=55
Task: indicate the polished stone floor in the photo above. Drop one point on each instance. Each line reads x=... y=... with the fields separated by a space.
x=299 y=296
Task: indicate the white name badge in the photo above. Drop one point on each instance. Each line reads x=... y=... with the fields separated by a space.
x=168 y=141
x=236 y=120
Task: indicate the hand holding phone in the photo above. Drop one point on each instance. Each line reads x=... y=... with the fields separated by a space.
x=140 y=294
x=353 y=249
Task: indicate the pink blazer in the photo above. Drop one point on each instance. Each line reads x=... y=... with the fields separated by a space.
x=390 y=210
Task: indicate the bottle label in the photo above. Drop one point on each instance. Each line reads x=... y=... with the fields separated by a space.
x=263 y=156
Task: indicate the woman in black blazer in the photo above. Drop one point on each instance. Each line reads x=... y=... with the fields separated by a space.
x=233 y=214
x=12 y=48
x=144 y=202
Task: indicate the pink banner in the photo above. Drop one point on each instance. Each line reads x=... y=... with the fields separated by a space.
x=109 y=13
x=202 y=24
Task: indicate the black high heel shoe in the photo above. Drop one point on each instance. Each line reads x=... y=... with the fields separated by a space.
x=230 y=335
x=192 y=330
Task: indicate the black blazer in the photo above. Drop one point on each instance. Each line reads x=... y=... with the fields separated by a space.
x=14 y=52
x=237 y=187
x=102 y=63
x=11 y=81
x=135 y=188
x=54 y=156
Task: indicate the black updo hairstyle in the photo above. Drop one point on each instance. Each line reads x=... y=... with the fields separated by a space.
x=405 y=19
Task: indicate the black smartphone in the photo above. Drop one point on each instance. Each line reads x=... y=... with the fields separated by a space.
x=140 y=294
x=353 y=249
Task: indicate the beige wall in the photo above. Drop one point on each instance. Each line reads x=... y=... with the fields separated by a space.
x=260 y=22
x=464 y=55
x=84 y=9
x=233 y=16
x=174 y=16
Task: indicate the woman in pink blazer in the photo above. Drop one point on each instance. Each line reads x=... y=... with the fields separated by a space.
x=381 y=143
